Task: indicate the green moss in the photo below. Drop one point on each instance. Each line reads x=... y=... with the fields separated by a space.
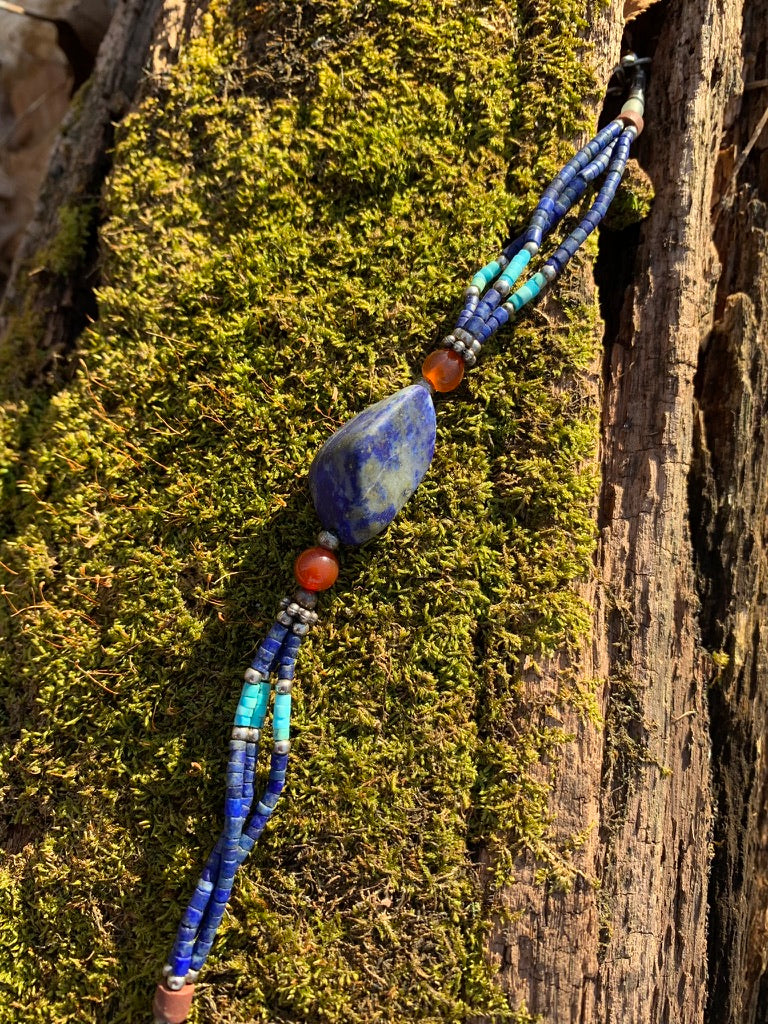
x=282 y=246
x=67 y=250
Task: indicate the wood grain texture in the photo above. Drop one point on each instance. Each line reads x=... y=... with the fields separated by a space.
x=682 y=454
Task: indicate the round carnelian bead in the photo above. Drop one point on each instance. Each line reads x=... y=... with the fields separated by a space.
x=316 y=569
x=443 y=369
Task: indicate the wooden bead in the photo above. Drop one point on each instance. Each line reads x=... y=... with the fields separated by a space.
x=443 y=369
x=632 y=117
x=316 y=569
x=173 y=1007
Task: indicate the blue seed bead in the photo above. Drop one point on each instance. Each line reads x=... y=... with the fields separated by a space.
x=192 y=917
x=277 y=632
x=546 y=204
x=232 y=807
x=275 y=785
x=591 y=220
x=279 y=762
x=485 y=332
x=269 y=799
x=534 y=234
x=257 y=822
x=499 y=318
x=264 y=809
x=475 y=324
x=579 y=234
x=199 y=902
x=181 y=965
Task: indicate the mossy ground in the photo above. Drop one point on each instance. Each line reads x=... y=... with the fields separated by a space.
x=283 y=242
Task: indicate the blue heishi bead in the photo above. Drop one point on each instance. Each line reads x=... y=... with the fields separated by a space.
x=365 y=472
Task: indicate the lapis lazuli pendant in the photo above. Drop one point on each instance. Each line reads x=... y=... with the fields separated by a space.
x=365 y=472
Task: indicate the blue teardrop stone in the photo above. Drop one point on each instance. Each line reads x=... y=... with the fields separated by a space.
x=367 y=470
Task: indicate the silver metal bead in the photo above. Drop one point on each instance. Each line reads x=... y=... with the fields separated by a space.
x=475 y=347
x=503 y=287
x=240 y=732
x=502 y=261
x=284 y=618
x=470 y=358
x=293 y=608
x=300 y=628
x=509 y=308
x=448 y=341
x=167 y=970
x=282 y=746
x=471 y=290
x=192 y=977
x=329 y=540
x=254 y=735
x=462 y=335
x=531 y=247
x=305 y=615
x=306 y=598
x=549 y=272
x=174 y=982
x=252 y=675
x=459 y=347
x=284 y=602
x=284 y=686
x=237 y=744
x=426 y=384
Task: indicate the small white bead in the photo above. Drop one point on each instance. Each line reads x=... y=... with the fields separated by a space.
x=174 y=982
x=470 y=359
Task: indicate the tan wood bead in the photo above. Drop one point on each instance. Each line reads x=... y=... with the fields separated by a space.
x=632 y=117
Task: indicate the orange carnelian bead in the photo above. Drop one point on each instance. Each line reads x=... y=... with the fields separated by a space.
x=316 y=569
x=443 y=369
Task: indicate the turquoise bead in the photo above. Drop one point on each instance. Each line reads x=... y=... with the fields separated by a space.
x=516 y=266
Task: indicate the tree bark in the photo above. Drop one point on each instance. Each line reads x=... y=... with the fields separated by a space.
x=673 y=928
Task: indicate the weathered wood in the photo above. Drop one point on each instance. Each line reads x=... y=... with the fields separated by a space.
x=57 y=300
x=637 y=948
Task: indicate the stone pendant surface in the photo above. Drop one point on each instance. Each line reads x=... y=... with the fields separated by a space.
x=368 y=469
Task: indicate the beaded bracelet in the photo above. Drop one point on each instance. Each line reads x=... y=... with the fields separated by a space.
x=359 y=480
